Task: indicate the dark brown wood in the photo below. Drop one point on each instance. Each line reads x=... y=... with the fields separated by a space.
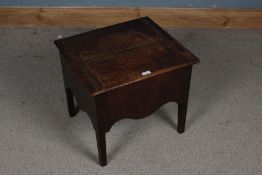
x=103 y=70
x=182 y=103
x=72 y=109
x=115 y=56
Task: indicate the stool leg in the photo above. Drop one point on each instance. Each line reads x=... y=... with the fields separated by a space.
x=182 y=105
x=182 y=110
x=101 y=146
x=72 y=110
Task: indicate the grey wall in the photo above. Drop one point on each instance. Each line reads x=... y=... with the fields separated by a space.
x=138 y=3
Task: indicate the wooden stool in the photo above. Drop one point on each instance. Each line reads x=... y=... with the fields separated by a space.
x=127 y=70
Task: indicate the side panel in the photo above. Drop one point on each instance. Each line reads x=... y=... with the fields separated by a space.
x=142 y=98
x=83 y=99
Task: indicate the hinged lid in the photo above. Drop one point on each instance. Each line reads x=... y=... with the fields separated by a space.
x=118 y=55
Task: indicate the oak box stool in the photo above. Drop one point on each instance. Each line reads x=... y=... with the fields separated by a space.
x=127 y=70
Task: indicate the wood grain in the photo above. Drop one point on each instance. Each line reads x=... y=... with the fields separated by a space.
x=115 y=56
x=97 y=17
x=102 y=71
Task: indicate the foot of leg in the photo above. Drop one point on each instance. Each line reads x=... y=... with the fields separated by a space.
x=182 y=110
x=101 y=146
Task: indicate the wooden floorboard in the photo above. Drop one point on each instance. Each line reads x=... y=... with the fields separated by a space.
x=96 y=17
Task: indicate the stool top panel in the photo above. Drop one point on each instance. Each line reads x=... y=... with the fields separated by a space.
x=124 y=53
